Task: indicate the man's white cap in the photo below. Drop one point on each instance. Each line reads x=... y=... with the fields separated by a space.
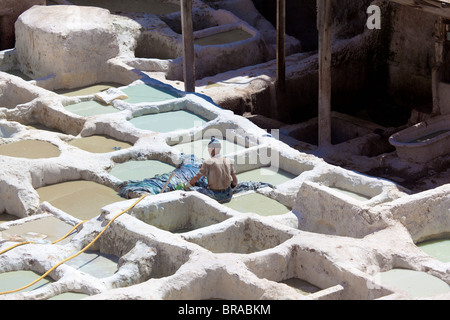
x=214 y=143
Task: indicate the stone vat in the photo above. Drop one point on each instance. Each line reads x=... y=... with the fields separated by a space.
x=424 y=141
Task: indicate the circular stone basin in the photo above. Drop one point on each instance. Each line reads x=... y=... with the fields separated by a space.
x=81 y=199
x=168 y=121
x=17 y=279
x=140 y=170
x=30 y=149
x=438 y=249
x=99 y=144
x=90 y=108
x=257 y=203
x=416 y=283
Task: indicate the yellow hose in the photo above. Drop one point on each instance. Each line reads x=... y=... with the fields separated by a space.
x=16 y=245
x=68 y=233
x=79 y=252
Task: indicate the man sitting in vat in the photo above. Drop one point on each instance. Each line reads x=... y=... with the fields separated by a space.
x=219 y=172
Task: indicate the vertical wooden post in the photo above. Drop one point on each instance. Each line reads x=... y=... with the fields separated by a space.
x=6 y=28
x=436 y=72
x=324 y=28
x=188 y=45
x=281 y=38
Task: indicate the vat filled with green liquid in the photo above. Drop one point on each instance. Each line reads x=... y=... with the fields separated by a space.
x=90 y=108
x=438 y=249
x=267 y=175
x=416 y=283
x=14 y=280
x=257 y=203
x=168 y=121
x=146 y=93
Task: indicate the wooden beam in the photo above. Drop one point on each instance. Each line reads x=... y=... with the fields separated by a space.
x=437 y=7
x=188 y=45
x=281 y=39
x=324 y=27
x=436 y=73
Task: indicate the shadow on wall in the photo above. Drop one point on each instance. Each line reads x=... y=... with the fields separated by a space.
x=361 y=83
x=10 y=10
x=300 y=17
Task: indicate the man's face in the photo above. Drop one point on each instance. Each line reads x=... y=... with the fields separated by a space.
x=213 y=151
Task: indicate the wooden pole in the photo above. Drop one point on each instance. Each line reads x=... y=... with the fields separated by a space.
x=281 y=38
x=7 y=39
x=324 y=28
x=436 y=72
x=188 y=45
